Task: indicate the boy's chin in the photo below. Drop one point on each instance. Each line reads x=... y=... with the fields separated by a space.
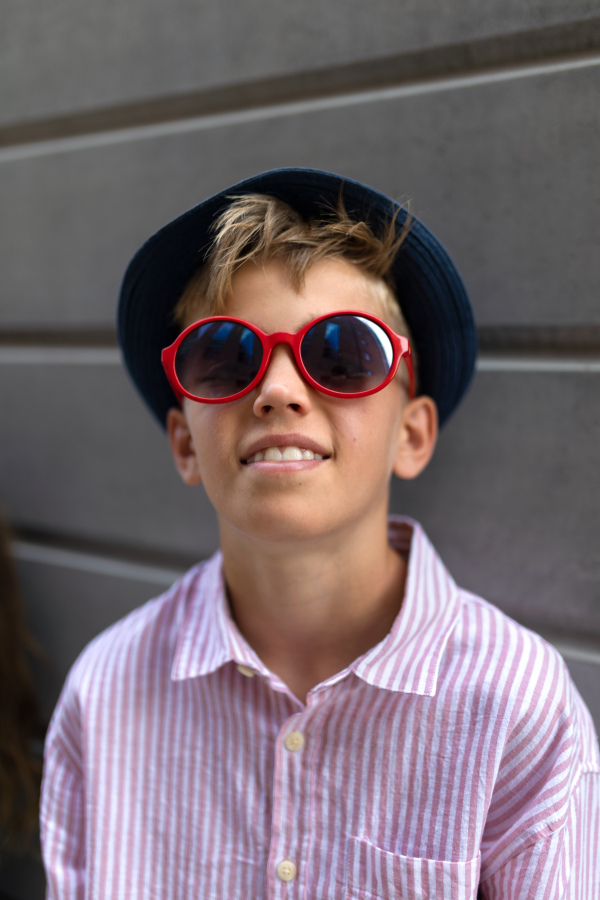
x=281 y=527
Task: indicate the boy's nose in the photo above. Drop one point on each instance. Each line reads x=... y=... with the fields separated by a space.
x=282 y=386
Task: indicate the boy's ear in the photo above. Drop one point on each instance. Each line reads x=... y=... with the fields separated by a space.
x=417 y=437
x=182 y=446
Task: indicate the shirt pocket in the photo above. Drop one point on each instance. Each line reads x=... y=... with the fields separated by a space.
x=375 y=874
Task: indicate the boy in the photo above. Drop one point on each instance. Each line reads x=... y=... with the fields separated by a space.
x=318 y=711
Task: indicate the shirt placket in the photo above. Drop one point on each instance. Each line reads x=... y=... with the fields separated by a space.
x=292 y=797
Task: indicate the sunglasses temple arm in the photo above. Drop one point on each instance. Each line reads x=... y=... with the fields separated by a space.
x=168 y=365
x=411 y=372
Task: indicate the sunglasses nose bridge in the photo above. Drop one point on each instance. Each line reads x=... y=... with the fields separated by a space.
x=280 y=337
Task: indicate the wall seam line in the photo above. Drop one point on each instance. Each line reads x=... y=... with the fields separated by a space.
x=212 y=121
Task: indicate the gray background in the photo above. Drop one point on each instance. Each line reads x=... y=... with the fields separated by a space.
x=116 y=117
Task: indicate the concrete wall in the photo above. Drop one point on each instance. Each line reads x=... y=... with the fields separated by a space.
x=118 y=116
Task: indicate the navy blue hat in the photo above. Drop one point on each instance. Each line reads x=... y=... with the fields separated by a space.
x=429 y=289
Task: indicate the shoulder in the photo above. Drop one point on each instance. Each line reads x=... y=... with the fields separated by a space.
x=145 y=638
x=541 y=747
x=520 y=680
x=125 y=669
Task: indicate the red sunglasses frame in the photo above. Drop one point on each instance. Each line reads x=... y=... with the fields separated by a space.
x=400 y=345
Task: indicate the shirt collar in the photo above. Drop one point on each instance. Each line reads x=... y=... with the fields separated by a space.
x=407 y=660
x=209 y=637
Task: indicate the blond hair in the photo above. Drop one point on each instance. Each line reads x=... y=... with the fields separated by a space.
x=259 y=228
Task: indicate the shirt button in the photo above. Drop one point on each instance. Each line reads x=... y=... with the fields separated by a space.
x=246 y=671
x=286 y=870
x=294 y=741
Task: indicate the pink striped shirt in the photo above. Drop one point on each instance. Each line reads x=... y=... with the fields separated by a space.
x=454 y=757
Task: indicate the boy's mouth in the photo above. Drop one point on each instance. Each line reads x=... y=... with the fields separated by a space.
x=292 y=447
x=283 y=454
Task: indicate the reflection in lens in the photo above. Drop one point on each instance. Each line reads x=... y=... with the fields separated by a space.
x=347 y=353
x=218 y=359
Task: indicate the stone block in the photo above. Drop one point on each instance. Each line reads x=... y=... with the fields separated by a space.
x=67 y=56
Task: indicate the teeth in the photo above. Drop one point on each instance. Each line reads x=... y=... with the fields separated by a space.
x=277 y=454
x=292 y=453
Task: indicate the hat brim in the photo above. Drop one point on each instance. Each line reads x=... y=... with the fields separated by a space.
x=428 y=286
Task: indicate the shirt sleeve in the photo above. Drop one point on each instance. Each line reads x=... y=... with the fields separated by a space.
x=62 y=821
x=542 y=835
x=564 y=865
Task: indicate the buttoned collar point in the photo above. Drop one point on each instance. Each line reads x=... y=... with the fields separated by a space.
x=407 y=660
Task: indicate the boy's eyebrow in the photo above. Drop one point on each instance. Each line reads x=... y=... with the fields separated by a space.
x=310 y=316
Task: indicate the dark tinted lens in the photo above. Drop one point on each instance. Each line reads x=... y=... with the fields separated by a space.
x=218 y=360
x=348 y=354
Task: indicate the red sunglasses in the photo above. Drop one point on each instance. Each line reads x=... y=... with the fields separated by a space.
x=342 y=354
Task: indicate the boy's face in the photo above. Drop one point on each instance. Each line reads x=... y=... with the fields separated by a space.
x=359 y=438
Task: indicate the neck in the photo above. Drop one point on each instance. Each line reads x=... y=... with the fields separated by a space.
x=310 y=609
